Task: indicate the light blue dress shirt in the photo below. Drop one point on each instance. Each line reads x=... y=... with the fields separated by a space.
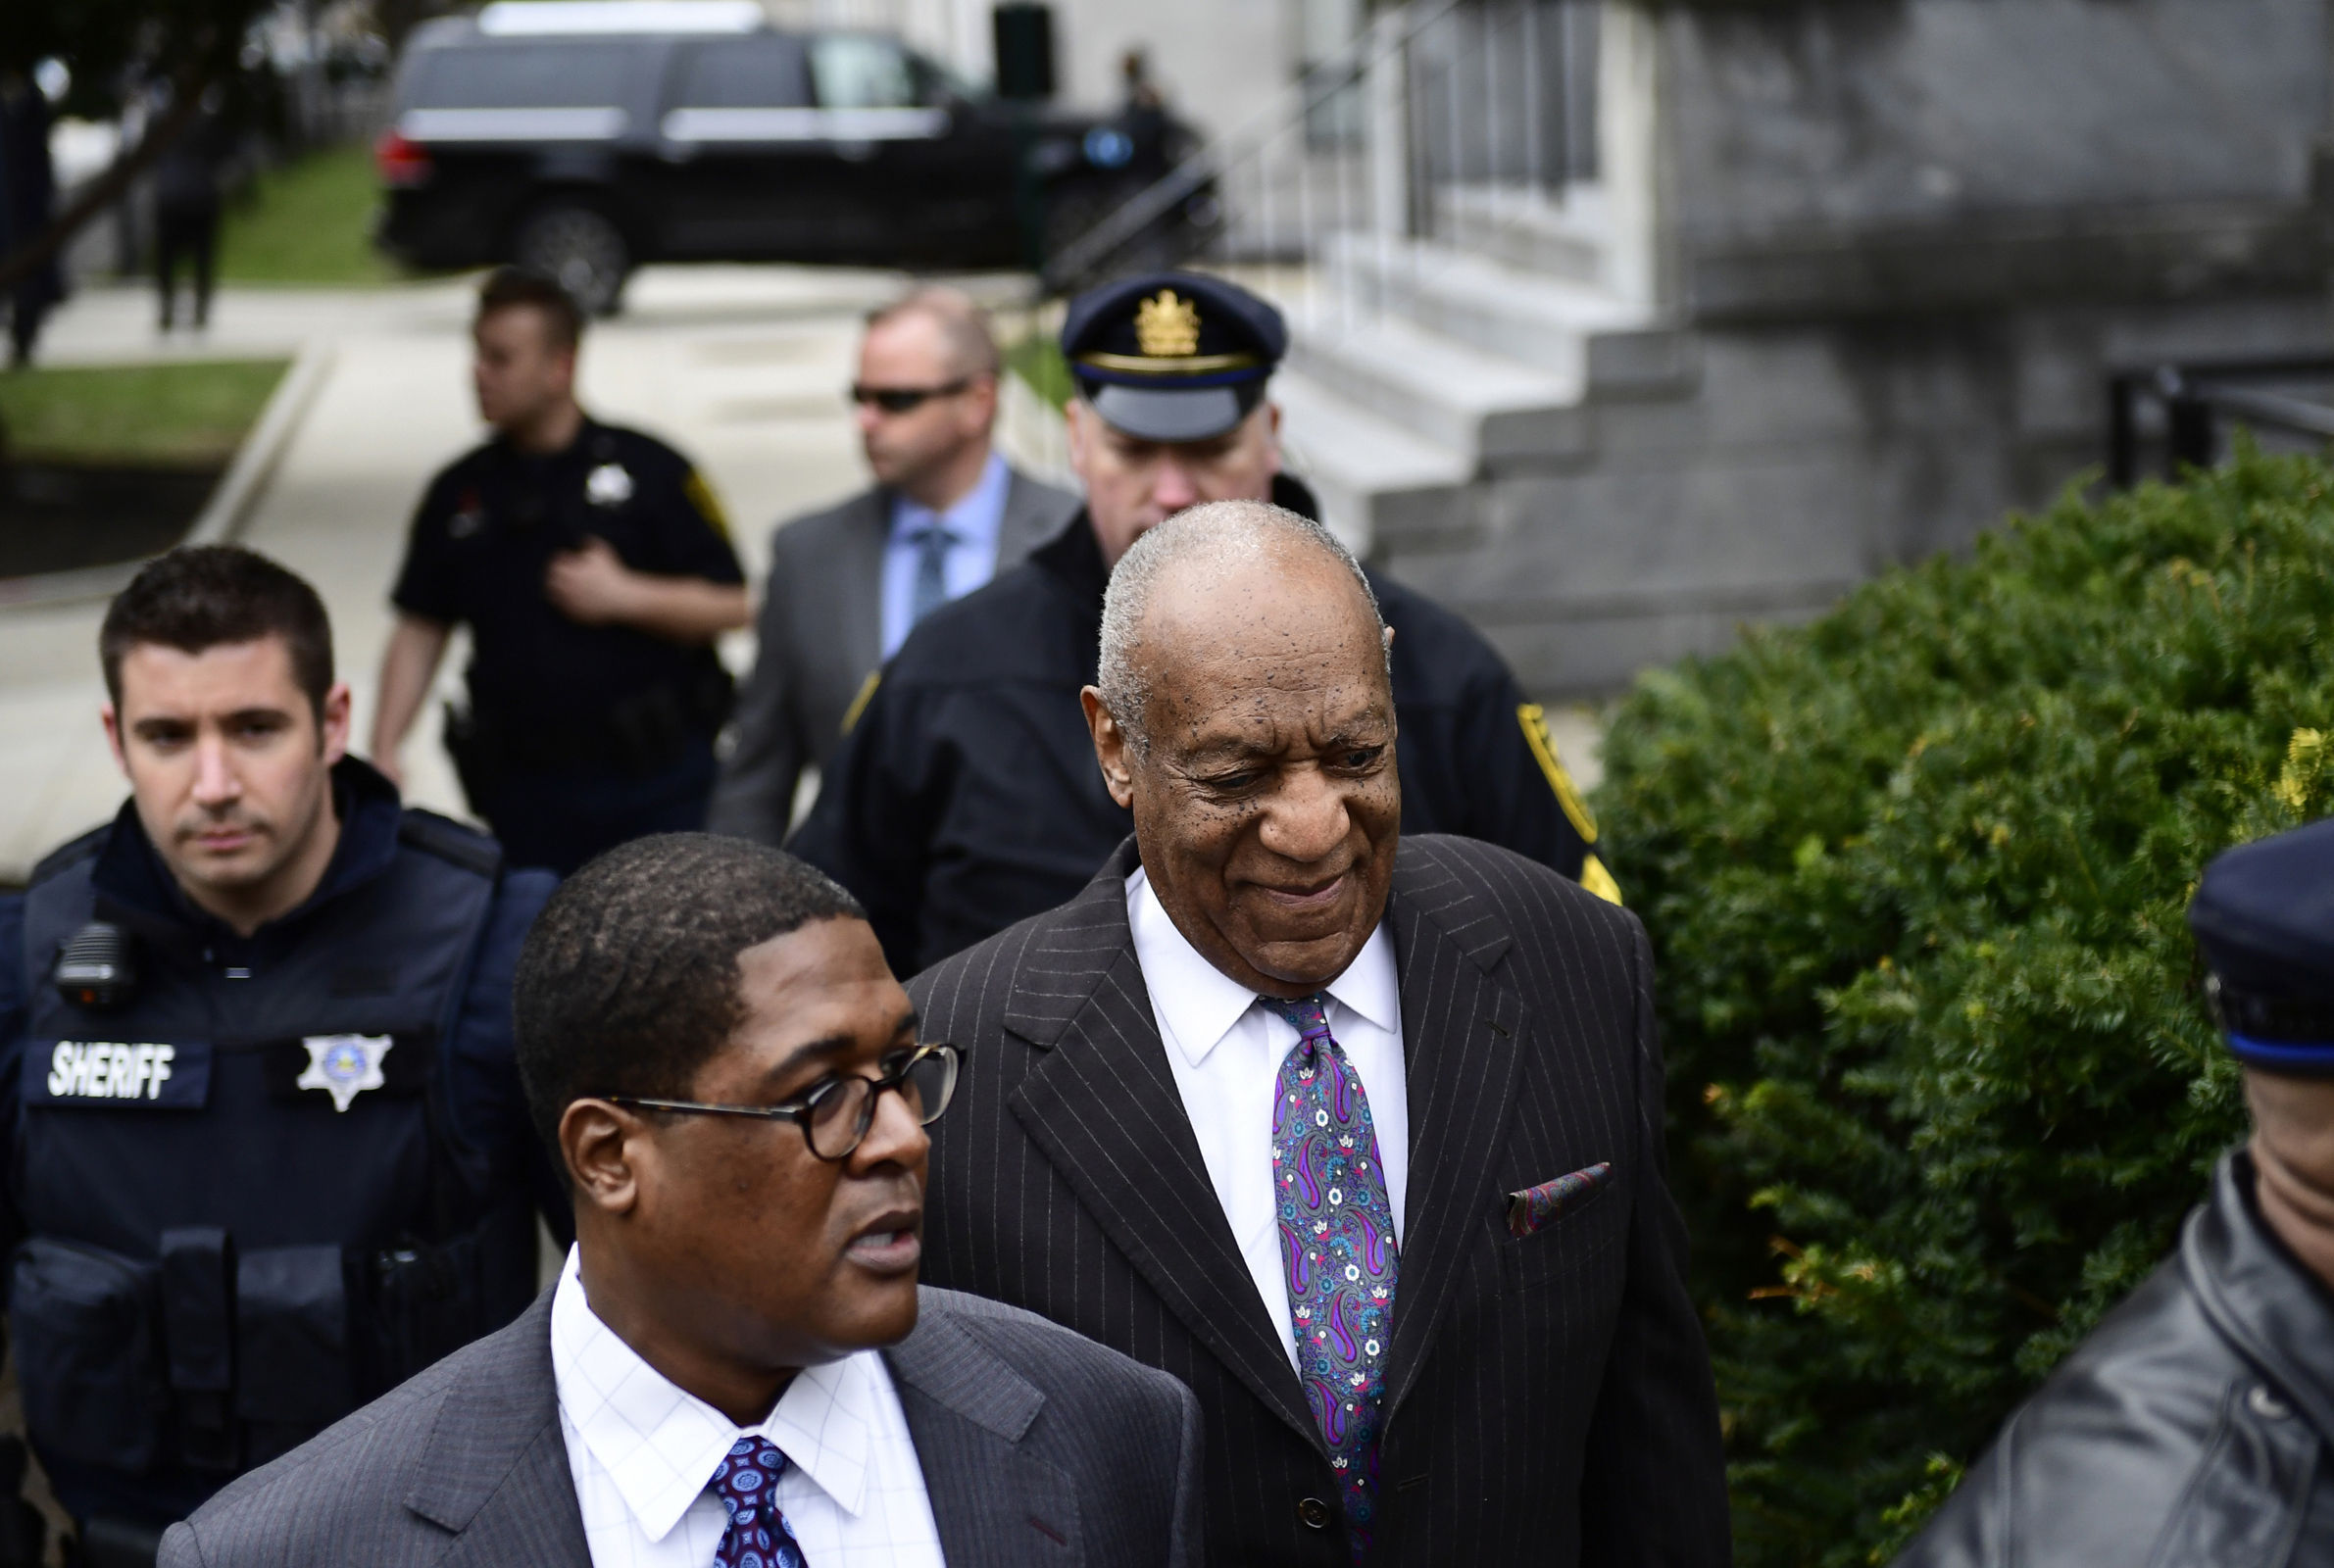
x=973 y=523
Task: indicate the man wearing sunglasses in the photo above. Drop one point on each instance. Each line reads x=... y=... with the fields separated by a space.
x=737 y=1365
x=945 y=513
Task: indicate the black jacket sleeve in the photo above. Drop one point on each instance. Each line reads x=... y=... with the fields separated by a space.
x=871 y=828
x=1653 y=1481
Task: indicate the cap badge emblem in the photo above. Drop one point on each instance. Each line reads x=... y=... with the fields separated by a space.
x=608 y=486
x=344 y=1066
x=1167 y=326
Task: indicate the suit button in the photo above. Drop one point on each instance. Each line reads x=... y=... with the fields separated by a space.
x=1314 y=1513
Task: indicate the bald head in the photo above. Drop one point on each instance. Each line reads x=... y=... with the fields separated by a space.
x=1246 y=718
x=1215 y=555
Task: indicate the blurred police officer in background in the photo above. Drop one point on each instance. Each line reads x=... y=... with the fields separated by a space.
x=946 y=514
x=2193 y=1425
x=267 y=1150
x=594 y=570
x=967 y=795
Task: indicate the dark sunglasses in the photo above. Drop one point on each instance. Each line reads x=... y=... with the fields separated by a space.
x=834 y=1117
x=905 y=399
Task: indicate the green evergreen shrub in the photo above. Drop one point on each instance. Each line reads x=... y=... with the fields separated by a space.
x=1940 y=1080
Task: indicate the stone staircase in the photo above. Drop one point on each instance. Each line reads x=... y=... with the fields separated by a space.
x=1489 y=417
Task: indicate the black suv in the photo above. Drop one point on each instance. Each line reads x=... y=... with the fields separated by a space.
x=583 y=137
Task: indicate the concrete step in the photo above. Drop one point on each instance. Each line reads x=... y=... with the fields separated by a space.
x=1528 y=227
x=1372 y=474
x=1527 y=316
x=1486 y=407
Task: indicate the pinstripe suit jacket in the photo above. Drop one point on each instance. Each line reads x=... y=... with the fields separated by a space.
x=1038 y=1448
x=1549 y=1399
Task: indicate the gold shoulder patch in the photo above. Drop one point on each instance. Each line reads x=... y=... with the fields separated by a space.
x=708 y=506
x=1534 y=719
x=859 y=704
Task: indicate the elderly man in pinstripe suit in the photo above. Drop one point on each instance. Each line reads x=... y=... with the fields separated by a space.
x=1362 y=1141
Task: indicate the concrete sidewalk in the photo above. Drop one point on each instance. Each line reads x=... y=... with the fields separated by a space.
x=741 y=367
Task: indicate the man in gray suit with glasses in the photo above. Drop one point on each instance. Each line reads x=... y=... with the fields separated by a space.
x=736 y=1366
x=946 y=514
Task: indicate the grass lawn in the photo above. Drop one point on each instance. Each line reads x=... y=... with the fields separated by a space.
x=1037 y=360
x=147 y=416
x=307 y=222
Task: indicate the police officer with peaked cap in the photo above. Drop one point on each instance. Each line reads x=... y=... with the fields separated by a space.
x=967 y=795
x=266 y=1153
x=2196 y=1424
x=594 y=570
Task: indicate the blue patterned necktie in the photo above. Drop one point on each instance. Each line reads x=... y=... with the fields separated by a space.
x=747 y=1482
x=1337 y=1248
x=933 y=543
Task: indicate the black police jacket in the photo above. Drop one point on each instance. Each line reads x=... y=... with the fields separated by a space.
x=967 y=798
x=485 y=533
x=2191 y=1429
x=283 y=1174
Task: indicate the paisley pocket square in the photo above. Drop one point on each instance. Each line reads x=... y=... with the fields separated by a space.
x=1535 y=1209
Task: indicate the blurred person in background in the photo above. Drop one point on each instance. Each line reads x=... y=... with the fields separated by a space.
x=2193 y=1425
x=266 y=1147
x=186 y=209
x=593 y=568
x=846 y=585
x=27 y=197
x=966 y=798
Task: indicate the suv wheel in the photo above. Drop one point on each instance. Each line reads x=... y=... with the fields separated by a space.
x=582 y=249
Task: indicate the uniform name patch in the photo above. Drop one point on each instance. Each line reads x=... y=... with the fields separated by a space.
x=118 y=1072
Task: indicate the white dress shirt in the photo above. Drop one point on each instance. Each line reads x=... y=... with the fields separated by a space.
x=642 y=1452
x=1225 y=1051
x=974 y=524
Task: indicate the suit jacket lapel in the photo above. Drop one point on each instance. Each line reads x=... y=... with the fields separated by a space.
x=860 y=571
x=1102 y=1104
x=1461 y=1032
x=495 y=1468
x=1028 y=521
x=967 y=1411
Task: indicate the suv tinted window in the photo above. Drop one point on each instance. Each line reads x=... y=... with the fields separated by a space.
x=743 y=74
x=854 y=70
x=536 y=73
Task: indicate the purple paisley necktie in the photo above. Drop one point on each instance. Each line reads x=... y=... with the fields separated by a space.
x=747 y=1482
x=1338 y=1247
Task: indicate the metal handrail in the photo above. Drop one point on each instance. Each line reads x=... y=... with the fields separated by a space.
x=1387 y=36
x=2195 y=394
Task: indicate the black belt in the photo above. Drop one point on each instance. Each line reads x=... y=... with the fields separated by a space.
x=643 y=733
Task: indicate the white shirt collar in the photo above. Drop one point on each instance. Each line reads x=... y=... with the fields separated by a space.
x=1200 y=1004
x=659 y=1444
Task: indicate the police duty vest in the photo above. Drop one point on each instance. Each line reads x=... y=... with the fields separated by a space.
x=246 y=1211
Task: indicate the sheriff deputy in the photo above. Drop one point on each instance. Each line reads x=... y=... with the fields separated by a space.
x=266 y=1148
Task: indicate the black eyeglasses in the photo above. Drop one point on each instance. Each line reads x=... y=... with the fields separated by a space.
x=905 y=399
x=835 y=1116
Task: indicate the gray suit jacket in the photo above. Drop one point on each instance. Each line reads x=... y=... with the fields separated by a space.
x=822 y=636
x=1038 y=1447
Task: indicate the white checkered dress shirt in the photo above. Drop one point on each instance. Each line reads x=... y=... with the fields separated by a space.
x=642 y=1451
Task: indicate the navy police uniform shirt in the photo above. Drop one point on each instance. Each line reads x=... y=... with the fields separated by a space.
x=967 y=798
x=485 y=1100
x=483 y=538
